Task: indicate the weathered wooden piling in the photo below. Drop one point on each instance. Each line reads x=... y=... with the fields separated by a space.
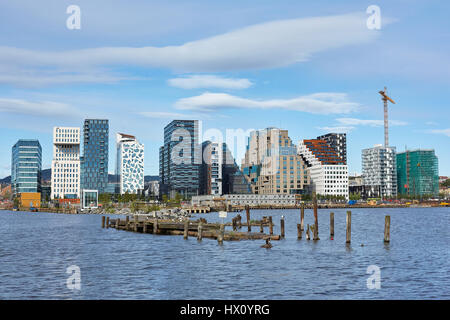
x=349 y=227
x=220 y=234
x=307 y=233
x=247 y=211
x=144 y=226
x=186 y=229
x=117 y=223
x=135 y=223
x=331 y=224
x=299 y=231
x=302 y=217
x=316 y=219
x=103 y=221
x=240 y=220
x=107 y=222
x=199 y=232
x=270 y=225
x=387 y=228
x=282 y=226
x=155 y=226
x=261 y=227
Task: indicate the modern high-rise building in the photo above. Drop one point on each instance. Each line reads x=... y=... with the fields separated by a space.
x=180 y=159
x=234 y=181
x=338 y=141
x=219 y=173
x=211 y=168
x=66 y=169
x=94 y=163
x=130 y=164
x=272 y=165
x=328 y=171
x=379 y=170
x=417 y=172
x=26 y=167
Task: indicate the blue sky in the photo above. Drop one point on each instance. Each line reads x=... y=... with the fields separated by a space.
x=311 y=67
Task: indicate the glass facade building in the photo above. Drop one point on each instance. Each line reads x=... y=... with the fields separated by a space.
x=180 y=159
x=417 y=173
x=94 y=163
x=26 y=166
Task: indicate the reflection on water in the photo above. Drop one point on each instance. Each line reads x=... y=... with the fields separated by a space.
x=36 y=250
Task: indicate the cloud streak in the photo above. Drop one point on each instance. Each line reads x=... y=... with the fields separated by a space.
x=318 y=103
x=164 y=115
x=36 y=108
x=445 y=132
x=369 y=123
x=261 y=46
x=209 y=81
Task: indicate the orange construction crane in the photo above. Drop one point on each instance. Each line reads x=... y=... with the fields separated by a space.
x=385 y=99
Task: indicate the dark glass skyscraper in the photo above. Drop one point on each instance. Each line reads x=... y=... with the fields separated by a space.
x=180 y=159
x=26 y=166
x=94 y=163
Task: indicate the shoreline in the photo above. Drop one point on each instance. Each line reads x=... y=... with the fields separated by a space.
x=178 y=211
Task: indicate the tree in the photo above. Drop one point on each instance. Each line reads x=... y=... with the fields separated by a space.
x=104 y=198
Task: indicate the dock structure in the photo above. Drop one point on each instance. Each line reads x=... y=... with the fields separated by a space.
x=188 y=228
x=197 y=209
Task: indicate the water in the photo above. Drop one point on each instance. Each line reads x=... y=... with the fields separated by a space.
x=36 y=250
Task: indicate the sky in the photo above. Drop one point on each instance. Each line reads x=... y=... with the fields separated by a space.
x=310 y=67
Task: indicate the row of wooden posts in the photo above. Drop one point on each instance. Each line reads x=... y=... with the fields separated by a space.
x=237 y=223
x=348 y=233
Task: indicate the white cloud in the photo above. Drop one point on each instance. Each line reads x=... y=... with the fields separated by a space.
x=39 y=108
x=261 y=46
x=164 y=115
x=337 y=129
x=318 y=103
x=209 y=81
x=36 y=79
x=370 y=123
x=445 y=132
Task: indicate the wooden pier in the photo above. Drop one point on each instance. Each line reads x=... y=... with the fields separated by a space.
x=198 y=229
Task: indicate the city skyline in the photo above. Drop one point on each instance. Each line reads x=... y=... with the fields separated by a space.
x=328 y=83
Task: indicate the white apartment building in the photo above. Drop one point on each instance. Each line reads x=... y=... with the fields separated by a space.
x=65 y=180
x=215 y=159
x=130 y=164
x=379 y=169
x=328 y=172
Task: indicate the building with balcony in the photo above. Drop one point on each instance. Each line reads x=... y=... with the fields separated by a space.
x=328 y=171
x=272 y=165
x=379 y=170
x=338 y=141
x=66 y=168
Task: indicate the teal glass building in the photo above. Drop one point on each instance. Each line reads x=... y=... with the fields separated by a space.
x=418 y=173
x=26 y=166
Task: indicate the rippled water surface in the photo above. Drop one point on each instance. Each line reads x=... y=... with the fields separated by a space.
x=37 y=248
